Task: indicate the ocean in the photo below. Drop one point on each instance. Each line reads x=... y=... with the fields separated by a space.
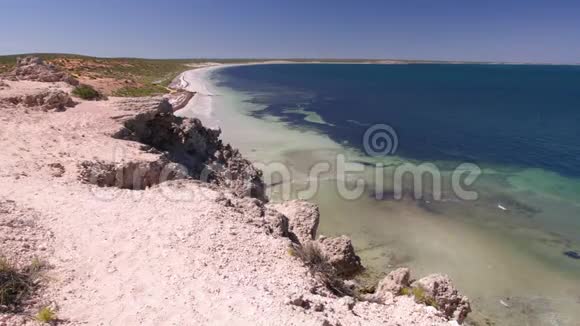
x=513 y=250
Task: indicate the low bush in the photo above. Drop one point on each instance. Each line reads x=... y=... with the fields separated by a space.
x=319 y=266
x=87 y=92
x=46 y=315
x=144 y=90
x=15 y=284
x=420 y=296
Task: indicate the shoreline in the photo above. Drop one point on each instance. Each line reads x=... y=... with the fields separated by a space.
x=504 y=244
x=196 y=81
x=123 y=239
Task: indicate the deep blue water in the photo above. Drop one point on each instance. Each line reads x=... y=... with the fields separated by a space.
x=515 y=115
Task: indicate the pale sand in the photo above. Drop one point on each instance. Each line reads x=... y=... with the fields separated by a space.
x=198 y=80
x=123 y=257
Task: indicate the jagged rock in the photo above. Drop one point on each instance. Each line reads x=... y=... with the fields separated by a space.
x=129 y=175
x=189 y=143
x=237 y=173
x=47 y=100
x=276 y=223
x=33 y=68
x=251 y=207
x=303 y=218
x=50 y=100
x=256 y=213
x=341 y=255
x=448 y=299
x=393 y=284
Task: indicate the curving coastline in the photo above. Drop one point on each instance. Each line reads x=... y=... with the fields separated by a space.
x=217 y=114
x=133 y=239
x=461 y=240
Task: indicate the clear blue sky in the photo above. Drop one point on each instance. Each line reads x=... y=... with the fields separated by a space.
x=492 y=30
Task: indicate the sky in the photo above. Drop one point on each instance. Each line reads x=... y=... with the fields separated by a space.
x=471 y=30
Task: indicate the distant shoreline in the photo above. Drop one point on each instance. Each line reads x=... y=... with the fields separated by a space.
x=12 y=57
x=196 y=81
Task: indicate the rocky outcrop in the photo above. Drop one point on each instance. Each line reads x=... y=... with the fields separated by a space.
x=303 y=218
x=448 y=300
x=188 y=142
x=435 y=290
x=341 y=255
x=393 y=283
x=34 y=68
x=48 y=100
x=256 y=213
x=129 y=175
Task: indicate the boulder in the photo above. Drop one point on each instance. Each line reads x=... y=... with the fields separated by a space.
x=393 y=284
x=303 y=218
x=34 y=68
x=449 y=301
x=341 y=255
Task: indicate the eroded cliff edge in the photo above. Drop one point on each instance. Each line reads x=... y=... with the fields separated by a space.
x=147 y=218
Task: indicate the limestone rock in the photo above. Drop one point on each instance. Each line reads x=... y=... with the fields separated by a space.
x=188 y=142
x=34 y=68
x=276 y=223
x=256 y=213
x=129 y=175
x=393 y=283
x=50 y=100
x=341 y=255
x=47 y=100
x=449 y=300
x=303 y=218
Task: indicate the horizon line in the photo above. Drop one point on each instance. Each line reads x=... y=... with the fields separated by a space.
x=312 y=59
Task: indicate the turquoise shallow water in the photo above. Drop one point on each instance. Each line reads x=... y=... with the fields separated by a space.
x=516 y=123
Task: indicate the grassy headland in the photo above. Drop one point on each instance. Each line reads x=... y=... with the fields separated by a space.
x=114 y=76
